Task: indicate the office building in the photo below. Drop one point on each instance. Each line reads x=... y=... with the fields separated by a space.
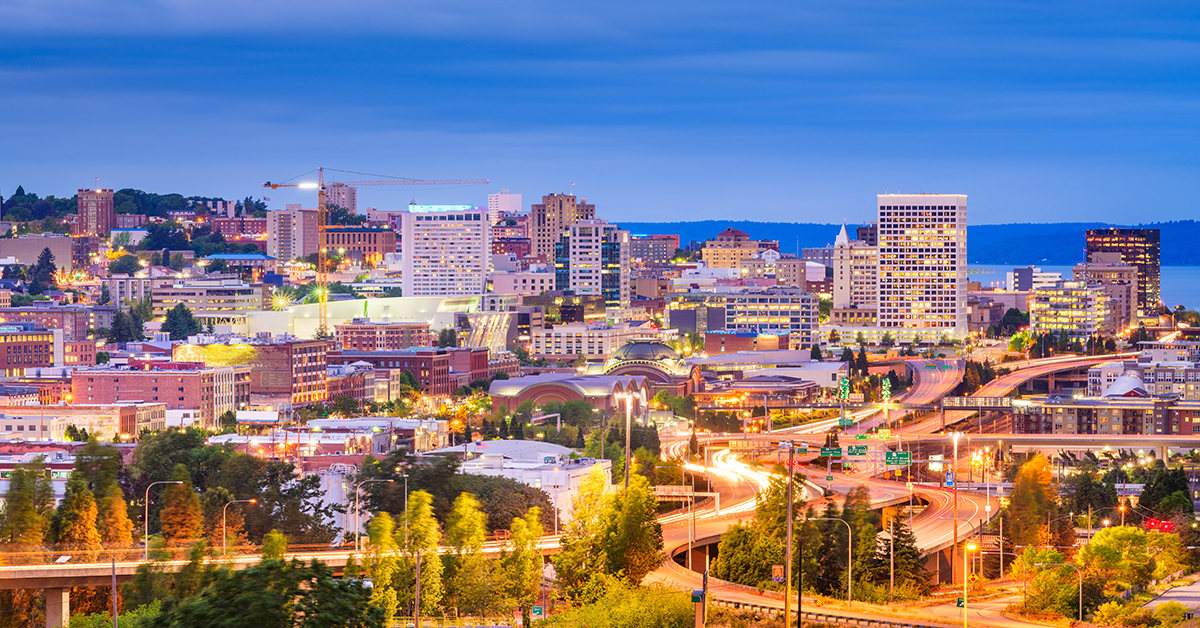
x=216 y=299
x=923 y=264
x=522 y=283
x=560 y=306
x=502 y=202
x=445 y=252
x=1077 y=307
x=592 y=258
x=555 y=214
x=731 y=246
x=1119 y=281
x=95 y=215
x=342 y=195
x=855 y=272
x=1139 y=248
x=430 y=366
x=285 y=371
x=74 y=321
x=594 y=341
x=868 y=234
x=792 y=272
x=774 y=310
x=650 y=250
x=517 y=247
x=291 y=233
x=364 y=245
x=1029 y=277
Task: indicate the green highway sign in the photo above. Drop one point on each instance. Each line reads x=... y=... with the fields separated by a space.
x=802 y=451
x=829 y=478
x=903 y=458
x=960 y=602
x=845 y=422
x=536 y=611
x=862 y=437
x=831 y=452
x=857 y=450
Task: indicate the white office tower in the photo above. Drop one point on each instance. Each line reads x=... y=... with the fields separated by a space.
x=342 y=195
x=503 y=201
x=855 y=272
x=592 y=257
x=445 y=252
x=923 y=265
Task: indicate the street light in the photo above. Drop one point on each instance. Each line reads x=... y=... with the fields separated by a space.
x=147 y=502
x=849 y=557
x=358 y=511
x=224 y=509
x=970 y=547
x=1079 y=573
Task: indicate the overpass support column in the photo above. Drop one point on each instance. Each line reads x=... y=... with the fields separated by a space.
x=58 y=607
x=1164 y=453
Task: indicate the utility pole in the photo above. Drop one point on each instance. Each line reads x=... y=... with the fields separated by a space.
x=892 y=561
x=787 y=558
x=417 y=594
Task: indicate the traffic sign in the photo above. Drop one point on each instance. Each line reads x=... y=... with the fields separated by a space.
x=536 y=612
x=974 y=577
x=802 y=451
x=832 y=452
x=862 y=437
x=829 y=478
x=845 y=422
x=960 y=602
x=950 y=479
x=697 y=596
x=857 y=450
x=777 y=573
x=901 y=458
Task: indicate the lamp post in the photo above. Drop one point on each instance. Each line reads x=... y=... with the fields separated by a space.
x=628 y=398
x=849 y=557
x=1077 y=572
x=224 y=511
x=954 y=469
x=147 y=502
x=787 y=566
x=969 y=547
x=358 y=511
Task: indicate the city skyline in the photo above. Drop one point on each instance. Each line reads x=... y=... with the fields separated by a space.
x=1070 y=112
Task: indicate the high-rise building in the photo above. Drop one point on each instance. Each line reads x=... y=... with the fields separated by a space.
x=592 y=257
x=445 y=252
x=653 y=249
x=291 y=233
x=555 y=214
x=1079 y=308
x=923 y=264
x=342 y=195
x=502 y=201
x=95 y=213
x=868 y=234
x=1138 y=247
x=855 y=272
x=1118 y=280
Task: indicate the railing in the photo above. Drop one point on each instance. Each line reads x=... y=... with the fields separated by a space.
x=75 y=555
x=825 y=617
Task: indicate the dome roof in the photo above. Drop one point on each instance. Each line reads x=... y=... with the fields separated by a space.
x=644 y=350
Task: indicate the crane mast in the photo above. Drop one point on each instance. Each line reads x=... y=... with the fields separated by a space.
x=322 y=263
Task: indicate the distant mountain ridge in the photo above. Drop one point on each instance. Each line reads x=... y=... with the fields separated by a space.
x=1052 y=244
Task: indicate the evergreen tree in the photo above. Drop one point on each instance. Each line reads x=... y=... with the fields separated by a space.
x=861 y=363
x=122 y=328
x=180 y=323
x=847 y=357
x=105 y=295
x=181 y=519
x=224 y=527
x=860 y=339
x=44 y=269
x=112 y=519
x=99 y=465
x=909 y=567
x=74 y=523
x=815 y=354
x=28 y=506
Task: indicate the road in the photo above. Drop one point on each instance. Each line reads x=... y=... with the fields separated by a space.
x=1188 y=595
x=985 y=613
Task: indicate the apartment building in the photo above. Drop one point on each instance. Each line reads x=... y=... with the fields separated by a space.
x=923 y=263
x=216 y=299
x=210 y=390
x=95 y=213
x=292 y=233
x=363 y=334
x=445 y=252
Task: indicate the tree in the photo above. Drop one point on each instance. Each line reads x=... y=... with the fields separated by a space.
x=275 y=545
x=422 y=543
x=180 y=323
x=448 y=337
x=382 y=564
x=112 y=519
x=860 y=363
x=468 y=569
x=99 y=465
x=581 y=539
x=888 y=340
x=181 y=519
x=224 y=528
x=847 y=357
x=834 y=337
x=523 y=566
x=275 y=594
x=815 y=354
x=177 y=262
x=74 y=523
x=1032 y=498
x=860 y=339
x=44 y=268
x=632 y=535
x=124 y=265
x=28 y=505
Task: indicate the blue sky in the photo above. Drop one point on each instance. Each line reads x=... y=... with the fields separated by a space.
x=1041 y=112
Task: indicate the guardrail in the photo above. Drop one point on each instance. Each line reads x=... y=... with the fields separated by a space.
x=825 y=617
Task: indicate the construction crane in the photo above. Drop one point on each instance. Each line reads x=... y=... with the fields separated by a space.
x=322 y=281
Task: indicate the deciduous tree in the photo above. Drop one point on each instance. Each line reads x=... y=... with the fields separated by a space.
x=181 y=519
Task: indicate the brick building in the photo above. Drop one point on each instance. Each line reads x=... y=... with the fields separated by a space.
x=95 y=213
x=521 y=247
x=356 y=381
x=430 y=367
x=28 y=345
x=234 y=227
x=284 y=370
x=362 y=243
x=72 y=320
x=211 y=391
x=362 y=334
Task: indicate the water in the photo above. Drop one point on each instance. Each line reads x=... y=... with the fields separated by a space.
x=1180 y=284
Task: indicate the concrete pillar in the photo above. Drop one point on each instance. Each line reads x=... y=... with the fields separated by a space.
x=58 y=607
x=1164 y=453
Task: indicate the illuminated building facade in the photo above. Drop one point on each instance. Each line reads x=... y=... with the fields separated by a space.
x=1077 y=307
x=923 y=264
x=592 y=258
x=1139 y=248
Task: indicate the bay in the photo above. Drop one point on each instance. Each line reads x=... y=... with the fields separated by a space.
x=1180 y=284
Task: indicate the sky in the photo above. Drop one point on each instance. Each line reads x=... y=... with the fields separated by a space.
x=652 y=109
